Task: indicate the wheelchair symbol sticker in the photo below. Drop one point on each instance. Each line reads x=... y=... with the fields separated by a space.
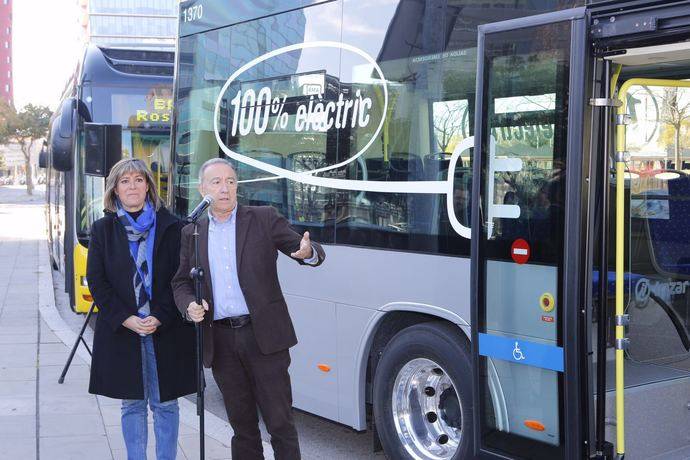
x=517 y=353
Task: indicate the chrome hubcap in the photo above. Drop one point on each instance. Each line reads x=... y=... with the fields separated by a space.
x=426 y=411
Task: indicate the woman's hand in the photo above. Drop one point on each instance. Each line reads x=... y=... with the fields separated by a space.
x=152 y=321
x=138 y=325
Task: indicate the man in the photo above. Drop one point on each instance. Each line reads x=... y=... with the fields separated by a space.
x=246 y=324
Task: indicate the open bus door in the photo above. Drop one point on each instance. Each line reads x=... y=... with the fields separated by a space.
x=527 y=323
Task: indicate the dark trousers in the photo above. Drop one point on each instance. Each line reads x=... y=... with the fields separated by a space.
x=247 y=378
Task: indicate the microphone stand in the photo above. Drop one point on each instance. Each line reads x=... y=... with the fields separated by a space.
x=197 y=274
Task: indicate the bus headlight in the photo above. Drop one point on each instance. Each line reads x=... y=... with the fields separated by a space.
x=84 y=282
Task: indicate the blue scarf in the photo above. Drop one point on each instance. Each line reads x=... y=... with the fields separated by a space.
x=141 y=234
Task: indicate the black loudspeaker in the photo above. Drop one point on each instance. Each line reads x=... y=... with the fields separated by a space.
x=102 y=148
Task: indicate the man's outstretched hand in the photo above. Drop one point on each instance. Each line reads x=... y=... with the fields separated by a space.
x=305 y=250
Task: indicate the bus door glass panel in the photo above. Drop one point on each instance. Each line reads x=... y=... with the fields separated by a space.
x=657 y=191
x=525 y=89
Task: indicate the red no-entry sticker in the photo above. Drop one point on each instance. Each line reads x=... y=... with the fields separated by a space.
x=520 y=251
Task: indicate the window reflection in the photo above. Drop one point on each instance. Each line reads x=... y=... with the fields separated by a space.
x=427 y=53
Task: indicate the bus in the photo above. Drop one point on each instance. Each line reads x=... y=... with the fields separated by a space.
x=127 y=87
x=501 y=189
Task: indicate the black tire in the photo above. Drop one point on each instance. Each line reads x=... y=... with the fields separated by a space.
x=445 y=345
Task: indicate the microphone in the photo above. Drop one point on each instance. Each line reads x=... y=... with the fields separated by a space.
x=200 y=208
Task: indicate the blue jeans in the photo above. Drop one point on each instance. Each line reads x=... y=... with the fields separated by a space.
x=166 y=415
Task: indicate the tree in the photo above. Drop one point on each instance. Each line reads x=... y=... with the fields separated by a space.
x=25 y=128
x=675 y=112
x=449 y=120
x=7 y=116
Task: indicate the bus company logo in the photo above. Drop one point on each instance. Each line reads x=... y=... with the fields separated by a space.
x=644 y=288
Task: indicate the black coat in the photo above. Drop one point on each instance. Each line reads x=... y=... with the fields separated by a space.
x=116 y=368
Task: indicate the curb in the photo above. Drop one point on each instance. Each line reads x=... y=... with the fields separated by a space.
x=214 y=427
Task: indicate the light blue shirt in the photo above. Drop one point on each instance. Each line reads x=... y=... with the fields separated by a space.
x=228 y=299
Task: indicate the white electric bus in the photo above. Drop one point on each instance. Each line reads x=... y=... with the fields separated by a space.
x=502 y=192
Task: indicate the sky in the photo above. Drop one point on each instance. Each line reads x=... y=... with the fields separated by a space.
x=45 y=48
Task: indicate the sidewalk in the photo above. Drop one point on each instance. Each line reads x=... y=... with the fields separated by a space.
x=40 y=418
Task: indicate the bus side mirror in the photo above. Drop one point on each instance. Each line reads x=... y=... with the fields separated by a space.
x=61 y=136
x=102 y=148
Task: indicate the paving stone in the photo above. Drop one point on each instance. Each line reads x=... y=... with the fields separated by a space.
x=17 y=389
x=76 y=371
x=53 y=348
x=105 y=401
x=18 y=406
x=17 y=374
x=17 y=314
x=24 y=331
x=17 y=338
x=56 y=359
x=17 y=321
x=65 y=425
x=17 y=355
x=17 y=427
x=50 y=388
x=18 y=448
x=75 y=405
x=213 y=449
x=111 y=415
x=48 y=336
x=93 y=447
x=121 y=454
x=186 y=429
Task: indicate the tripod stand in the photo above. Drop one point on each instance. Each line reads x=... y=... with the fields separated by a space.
x=80 y=338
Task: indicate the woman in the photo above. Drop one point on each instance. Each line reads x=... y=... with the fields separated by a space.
x=143 y=352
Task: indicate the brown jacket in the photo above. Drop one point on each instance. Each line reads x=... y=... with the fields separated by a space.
x=260 y=233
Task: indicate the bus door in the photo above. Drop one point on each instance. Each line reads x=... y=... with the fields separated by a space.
x=526 y=242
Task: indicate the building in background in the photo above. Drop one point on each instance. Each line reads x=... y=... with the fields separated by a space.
x=129 y=22
x=6 y=86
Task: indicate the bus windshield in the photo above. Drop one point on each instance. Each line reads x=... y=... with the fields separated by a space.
x=144 y=113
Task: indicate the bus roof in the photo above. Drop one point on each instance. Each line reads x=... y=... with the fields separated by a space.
x=113 y=65
x=203 y=15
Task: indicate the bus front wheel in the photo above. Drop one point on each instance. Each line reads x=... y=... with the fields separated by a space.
x=423 y=394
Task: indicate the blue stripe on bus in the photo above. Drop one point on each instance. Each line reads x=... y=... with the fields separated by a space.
x=521 y=351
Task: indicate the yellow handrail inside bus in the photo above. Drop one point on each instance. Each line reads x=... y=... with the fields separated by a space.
x=620 y=262
x=620 y=240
